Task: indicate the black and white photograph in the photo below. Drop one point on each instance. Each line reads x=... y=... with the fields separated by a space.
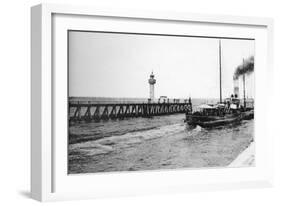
x=139 y=102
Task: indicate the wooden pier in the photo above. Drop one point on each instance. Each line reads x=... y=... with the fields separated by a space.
x=87 y=111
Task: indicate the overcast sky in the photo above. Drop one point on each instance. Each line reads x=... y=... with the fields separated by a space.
x=119 y=65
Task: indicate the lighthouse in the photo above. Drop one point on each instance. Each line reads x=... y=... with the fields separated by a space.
x=151 y=82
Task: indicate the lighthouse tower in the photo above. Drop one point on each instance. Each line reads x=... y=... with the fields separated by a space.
x=151 y=82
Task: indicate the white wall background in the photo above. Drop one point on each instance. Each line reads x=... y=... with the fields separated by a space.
x=15 y=101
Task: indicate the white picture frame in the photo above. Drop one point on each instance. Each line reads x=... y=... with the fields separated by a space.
x=49 y=181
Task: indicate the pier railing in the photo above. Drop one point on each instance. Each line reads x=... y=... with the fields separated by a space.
x=88 y=111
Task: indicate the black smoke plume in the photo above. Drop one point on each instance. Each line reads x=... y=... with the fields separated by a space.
x=246 y=68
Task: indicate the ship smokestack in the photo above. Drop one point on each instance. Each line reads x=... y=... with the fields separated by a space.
x=244 y=93
x=236 y=88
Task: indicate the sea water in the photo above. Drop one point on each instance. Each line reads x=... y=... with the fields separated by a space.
x=159 y=142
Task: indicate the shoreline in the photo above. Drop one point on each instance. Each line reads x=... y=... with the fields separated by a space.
x=246 y=158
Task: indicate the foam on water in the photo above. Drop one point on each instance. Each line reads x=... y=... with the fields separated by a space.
x=198 y=128
x=120 y=129
x=130 y=138
x=90 y=148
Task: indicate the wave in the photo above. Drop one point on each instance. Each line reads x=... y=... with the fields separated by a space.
x=107 y=144
x=142 y=135
x=89 y=148
x=74 y=138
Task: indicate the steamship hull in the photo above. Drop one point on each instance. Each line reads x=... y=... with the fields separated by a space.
x=213 y=121
x=217 y=121
x=248 y=115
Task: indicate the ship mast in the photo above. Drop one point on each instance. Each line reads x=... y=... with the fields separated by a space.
x=220 y=70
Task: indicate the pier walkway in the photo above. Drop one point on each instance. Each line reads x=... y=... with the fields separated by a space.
x=87 y=111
